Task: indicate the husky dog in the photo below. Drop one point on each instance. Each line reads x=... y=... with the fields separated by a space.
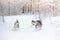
x=37 y=24
x=16 y=25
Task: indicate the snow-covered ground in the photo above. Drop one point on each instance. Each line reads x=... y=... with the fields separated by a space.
x=50 y=28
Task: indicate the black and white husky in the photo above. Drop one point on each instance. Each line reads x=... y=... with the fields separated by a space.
x=16 y=25
x=37 y=24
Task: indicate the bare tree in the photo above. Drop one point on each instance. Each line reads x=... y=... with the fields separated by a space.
x=2 y=11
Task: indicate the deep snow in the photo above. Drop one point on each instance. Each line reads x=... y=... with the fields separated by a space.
x=50 y=28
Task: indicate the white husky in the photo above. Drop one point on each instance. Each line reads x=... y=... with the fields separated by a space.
x=16 y=25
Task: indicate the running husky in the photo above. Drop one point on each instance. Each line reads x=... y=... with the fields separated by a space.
x=37 y=24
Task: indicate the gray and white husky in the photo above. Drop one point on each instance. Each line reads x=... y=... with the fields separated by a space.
x=37 y=24
x=16 y=25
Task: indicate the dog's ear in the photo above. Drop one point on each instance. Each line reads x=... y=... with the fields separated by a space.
x=33 y=21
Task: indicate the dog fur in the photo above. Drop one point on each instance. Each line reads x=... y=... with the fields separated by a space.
x=16 y=25
x=37 y=23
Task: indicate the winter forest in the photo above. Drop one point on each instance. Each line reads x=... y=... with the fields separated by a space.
x=29 y=19
x=14 y=7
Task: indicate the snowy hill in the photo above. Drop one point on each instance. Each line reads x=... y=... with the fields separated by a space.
x=50 y=28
